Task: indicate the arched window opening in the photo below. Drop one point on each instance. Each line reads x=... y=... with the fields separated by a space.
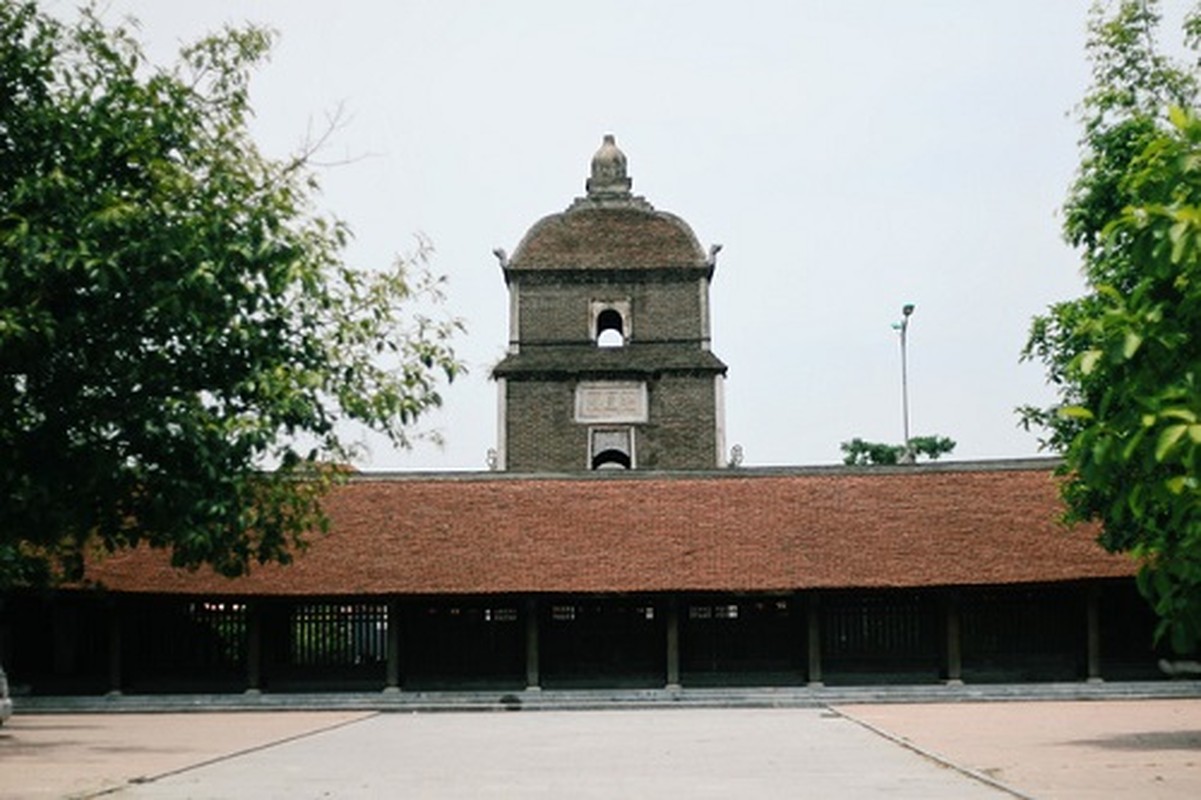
x=611 y=448
x=610 y=328
x=611 y=459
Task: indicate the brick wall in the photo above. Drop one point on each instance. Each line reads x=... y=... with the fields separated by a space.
x=682 y=432
x=661 y=309
x=540 y=432
x=542 y=435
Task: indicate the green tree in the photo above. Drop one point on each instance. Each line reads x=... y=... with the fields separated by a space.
x=1125 y=359
x=180 y=338
x=861 y=453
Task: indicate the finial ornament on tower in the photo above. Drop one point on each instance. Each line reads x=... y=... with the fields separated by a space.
x=609 y=177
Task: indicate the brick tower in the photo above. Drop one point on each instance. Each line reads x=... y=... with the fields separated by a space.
x=609 y=364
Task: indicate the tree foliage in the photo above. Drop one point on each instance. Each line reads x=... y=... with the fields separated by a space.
x=861 y=453
x=1125 y=359
x=174 y=314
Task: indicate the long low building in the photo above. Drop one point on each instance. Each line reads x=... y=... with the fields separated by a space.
x=925 y=573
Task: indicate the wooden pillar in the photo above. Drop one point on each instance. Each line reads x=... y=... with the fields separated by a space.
x=673 y=642
x=254 y=648
x=392 y=670
x=1093 y=613
x=533 y=675
x=954 y=641
x=113 y=612
x=813 y=638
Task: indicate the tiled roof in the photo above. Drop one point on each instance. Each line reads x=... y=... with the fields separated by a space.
x=594 y=237
x=734 y=530
x=635 y=359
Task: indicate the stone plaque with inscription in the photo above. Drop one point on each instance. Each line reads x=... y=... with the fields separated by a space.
x=610 y=401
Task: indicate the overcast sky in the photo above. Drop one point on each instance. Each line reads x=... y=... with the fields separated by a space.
x=851 y=157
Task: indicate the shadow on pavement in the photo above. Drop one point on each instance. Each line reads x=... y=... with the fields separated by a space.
x=1151 y=740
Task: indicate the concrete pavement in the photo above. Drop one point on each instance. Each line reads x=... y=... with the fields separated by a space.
x=68 y=755
x=1074 y=750
x=694 y=753
x=1067 y=751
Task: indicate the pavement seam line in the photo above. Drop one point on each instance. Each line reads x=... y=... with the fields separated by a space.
x=936 y=757
x=143 y=779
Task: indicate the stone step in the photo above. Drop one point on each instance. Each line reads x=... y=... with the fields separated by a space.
x=584 y=699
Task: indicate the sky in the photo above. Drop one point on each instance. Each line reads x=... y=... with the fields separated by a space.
x=851 y=157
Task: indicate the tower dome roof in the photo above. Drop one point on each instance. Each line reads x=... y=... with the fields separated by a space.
x=609 y=228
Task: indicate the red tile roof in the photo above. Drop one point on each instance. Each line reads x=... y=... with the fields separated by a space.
x=752 y=530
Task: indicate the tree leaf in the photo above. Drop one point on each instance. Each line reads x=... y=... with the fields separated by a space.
x=1178 y=117
x=1131 y=344
x=1089 y=360
x=1176 y=484
x=1168 y=439
x=1075 y=412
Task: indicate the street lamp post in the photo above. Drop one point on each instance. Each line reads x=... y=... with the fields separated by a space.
x=907 y=457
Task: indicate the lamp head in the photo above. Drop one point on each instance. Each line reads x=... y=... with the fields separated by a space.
x=907 y=309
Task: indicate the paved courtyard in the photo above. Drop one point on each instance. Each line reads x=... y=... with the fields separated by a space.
x=1144 y=749
x=1062 y=750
